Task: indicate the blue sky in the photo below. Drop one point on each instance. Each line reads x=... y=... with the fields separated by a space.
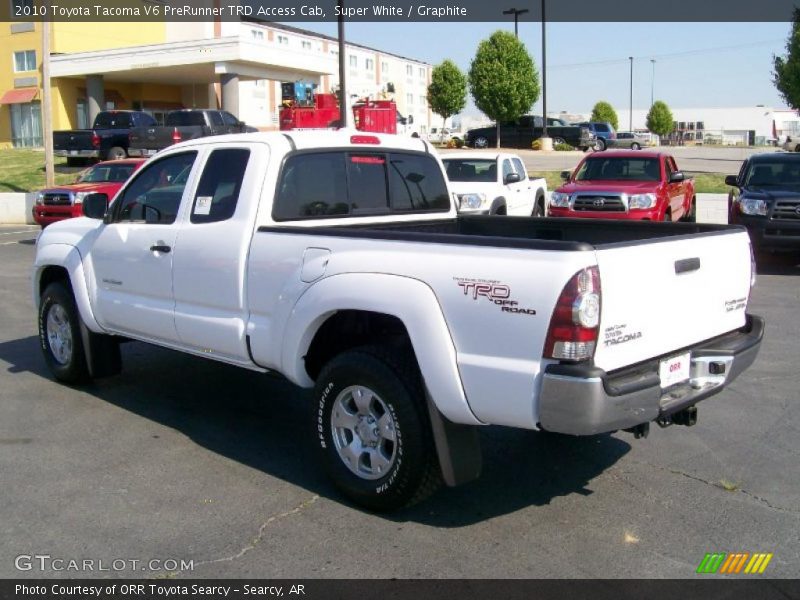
x=697 y=64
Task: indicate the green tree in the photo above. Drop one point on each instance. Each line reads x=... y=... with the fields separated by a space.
x=786 y=75
x=503 y=79
x=604 y=112
x=659 y=119
x=447 y=93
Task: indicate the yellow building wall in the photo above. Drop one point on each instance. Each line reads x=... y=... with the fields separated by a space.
x=67 y=37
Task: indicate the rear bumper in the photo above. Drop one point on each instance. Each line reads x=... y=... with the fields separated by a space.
x=586 y=400
x=142 y=152
x=77 y=153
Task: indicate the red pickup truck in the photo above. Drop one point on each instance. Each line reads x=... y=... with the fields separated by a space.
x=626 y=184
x=66 y=201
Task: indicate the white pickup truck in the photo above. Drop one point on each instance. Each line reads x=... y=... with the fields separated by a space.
x=338 y=260
x=494 y=183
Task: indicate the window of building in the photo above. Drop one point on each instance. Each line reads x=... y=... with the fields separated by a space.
x=422 y=72
x=306 y=44
x=409 y=70
x=257 y=35
x=334 y=52
x=218 y=191
x=283 y=40
x=422 y=101
x=26 y=125
x=154 y=197
x=24 y=60
x=409 y=99
x=82 y=110
x=701 y=125
x=353 y=61
x=369 y=64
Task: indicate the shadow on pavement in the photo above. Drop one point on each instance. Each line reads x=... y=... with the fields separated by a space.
x=264 y=422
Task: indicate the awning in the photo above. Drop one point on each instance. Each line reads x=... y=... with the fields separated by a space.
x=20 y=96
x=109 y=95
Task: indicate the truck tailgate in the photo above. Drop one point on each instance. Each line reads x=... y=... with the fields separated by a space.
x=661 y=296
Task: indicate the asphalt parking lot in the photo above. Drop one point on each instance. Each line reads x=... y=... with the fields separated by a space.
x=184 y=459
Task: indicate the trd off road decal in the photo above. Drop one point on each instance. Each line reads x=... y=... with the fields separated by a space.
x=495 y=292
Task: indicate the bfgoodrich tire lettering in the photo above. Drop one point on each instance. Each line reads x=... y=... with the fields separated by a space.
x=412 y=467
x=60 y=335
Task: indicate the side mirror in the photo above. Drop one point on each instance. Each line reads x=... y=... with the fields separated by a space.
x=676 y=177
x=732 y=180
x=95 y=205
x=512 y=178
x=565 y=175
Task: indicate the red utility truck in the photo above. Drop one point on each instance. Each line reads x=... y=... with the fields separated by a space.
x=626 y=184
x=303 y=108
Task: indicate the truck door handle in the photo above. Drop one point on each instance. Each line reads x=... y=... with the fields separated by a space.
x=686 y=265
x=164 y=249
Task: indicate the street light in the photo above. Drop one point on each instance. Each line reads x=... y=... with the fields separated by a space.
x=516 y=12
x=652 y=82
x=630 y=115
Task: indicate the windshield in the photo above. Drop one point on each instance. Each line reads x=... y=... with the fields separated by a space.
x=778 y=173
x=106 y=173
x=630 y=169
x=471 y=170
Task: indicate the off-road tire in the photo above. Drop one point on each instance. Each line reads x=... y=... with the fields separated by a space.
x=392 y=375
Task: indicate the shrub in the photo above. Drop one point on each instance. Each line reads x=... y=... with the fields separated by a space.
x=536 y=145
x=563 y=148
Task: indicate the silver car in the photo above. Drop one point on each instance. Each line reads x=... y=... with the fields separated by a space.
x=626 y=139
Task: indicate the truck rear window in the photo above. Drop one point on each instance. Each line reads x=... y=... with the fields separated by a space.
x=180 y=119
x=112 y=120
x=340 y=184
x=619 y=169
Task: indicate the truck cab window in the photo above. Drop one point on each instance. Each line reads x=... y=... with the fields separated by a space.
x=416 y=183
x=312 y=185
x=218 y=191
x=154 y=196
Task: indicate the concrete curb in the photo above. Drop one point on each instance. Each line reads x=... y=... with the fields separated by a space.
x=15 y=208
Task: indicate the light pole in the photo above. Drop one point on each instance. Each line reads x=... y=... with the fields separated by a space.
x=547 y=143
x=630 y=114
x=343 y=107
x=516 y=12
x=653 y=82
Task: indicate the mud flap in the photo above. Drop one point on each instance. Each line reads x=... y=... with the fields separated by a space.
x=103 y=357
x=457 y=446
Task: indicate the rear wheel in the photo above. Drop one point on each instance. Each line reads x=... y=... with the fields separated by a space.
x=635 y=146
x=600 y=144
x=373 y=429
x=691 y=216
x=559 y=141
x=481 y=142
x=667 y=216
x=116 y=153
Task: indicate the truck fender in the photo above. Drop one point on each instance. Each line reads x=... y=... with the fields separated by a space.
x=67 y=257
x=496 y=204
x=409 y=300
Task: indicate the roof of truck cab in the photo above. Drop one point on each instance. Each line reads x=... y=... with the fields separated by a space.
x=478 y=154
x=321 y=138
x=627 y=154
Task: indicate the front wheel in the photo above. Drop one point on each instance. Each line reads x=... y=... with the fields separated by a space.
x=557 y=141
x=116 y=153
x=635 y=146
x=60 y=335
x=600 y=144
x=538 y=207
x=373 y=429
x=481 y=142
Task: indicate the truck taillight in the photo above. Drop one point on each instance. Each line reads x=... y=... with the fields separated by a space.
x=95 y=139
x=576 y=318
x=176 y=136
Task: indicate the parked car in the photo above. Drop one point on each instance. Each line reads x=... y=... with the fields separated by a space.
x=766 y=199
x=442 y=135
x=791 y=145
x=339 y=261
x=603 y=131
x=522 y=132
x=185 y=124
x=626 y=184
x=491 y=183
x=66 y=201
x=627 y=139
x=107 y=139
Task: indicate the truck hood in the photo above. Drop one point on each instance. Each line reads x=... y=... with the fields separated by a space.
x=787 y=193
x=477 y=187
x=72 y=232
x=622 y=187
x=109 y=188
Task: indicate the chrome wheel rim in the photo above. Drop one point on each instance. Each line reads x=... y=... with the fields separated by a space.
x=481 y=142
x=364 y=432
x=59 y=334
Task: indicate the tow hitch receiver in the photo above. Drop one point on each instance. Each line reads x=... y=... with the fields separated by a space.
x=687 y=417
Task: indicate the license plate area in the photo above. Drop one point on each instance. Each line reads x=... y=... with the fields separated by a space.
x=675 y=370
